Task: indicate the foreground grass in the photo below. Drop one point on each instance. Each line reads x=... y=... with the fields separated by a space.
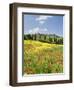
x=41 y=58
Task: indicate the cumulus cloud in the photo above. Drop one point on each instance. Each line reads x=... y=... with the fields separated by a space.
x=41 y=22
x=38 y=30
x=45 y=30
x=41 y=19
x=34 y=30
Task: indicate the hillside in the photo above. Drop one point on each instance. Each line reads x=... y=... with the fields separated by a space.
x=40 y=58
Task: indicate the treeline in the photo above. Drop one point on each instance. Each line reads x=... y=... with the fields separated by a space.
x=49 y=38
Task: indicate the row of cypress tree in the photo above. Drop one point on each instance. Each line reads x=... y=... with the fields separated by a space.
x=44 y=38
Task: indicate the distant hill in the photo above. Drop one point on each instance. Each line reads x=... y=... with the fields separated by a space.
x=54 y=36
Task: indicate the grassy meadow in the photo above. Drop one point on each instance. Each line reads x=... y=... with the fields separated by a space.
x=42 y=57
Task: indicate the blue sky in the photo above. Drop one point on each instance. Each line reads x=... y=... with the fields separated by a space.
x=44 y=24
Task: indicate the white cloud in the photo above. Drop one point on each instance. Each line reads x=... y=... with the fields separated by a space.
x=34 y=30
x=41 y=22
x=38 y=30
x=41 y=19
x=45 y=30
x=30 y=31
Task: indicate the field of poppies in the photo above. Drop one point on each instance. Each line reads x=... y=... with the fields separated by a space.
x=42 y=57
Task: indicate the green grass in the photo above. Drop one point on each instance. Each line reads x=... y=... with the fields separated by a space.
x=42 y=58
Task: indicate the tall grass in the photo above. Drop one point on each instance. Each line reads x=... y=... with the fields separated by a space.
x=41 y=58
